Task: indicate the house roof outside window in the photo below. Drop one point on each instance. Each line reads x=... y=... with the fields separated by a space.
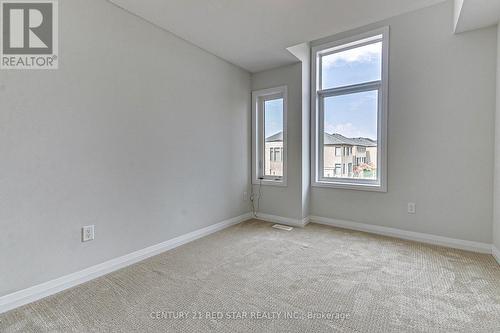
x=333 y=139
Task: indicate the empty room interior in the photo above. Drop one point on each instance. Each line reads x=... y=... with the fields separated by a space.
x=250 y=166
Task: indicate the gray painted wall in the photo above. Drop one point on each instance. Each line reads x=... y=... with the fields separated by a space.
x=305 y=57
x=138 y=132
x=440 y=133
x=496 y=217
x=291 y=201
x=276 y=200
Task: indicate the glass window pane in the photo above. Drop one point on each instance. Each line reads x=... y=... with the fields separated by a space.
x=354 y=66
x=350 y=124
x=273 y=134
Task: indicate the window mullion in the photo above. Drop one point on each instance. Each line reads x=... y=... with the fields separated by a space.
x=367 y=86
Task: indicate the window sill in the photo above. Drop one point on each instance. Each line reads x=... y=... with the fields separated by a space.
x=351 y=186
x=270 y=182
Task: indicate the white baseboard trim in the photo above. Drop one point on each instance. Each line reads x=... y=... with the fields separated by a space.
x=31 y=294
x=300 y=223
x=306 y=220
x=496 y=253
x=408 y=235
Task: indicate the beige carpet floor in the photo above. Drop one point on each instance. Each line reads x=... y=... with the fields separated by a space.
x=252 y=278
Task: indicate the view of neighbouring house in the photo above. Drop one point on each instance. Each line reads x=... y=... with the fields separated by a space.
x=349 y=157
x=343 y=157
x=273 y=163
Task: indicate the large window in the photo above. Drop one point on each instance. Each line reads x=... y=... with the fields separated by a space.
x=350 y=83
x=269 y=136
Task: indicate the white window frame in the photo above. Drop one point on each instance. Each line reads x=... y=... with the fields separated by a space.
x=258 y=140
x=379 y=185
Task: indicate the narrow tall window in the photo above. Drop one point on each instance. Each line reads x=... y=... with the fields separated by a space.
x=269 y=115
x=350 y=83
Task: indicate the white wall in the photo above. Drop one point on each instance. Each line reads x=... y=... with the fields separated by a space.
x=138 y=132
x=496 y=214
x=440 y=132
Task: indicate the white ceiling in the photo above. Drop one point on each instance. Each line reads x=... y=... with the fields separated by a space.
x=254 y=34
x=476 y=14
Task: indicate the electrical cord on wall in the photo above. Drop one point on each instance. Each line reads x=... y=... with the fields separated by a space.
x=255 y=209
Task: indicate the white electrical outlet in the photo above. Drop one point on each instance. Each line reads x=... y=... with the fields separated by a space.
x=412 y=208
x=245 y=196
x=88 y=233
